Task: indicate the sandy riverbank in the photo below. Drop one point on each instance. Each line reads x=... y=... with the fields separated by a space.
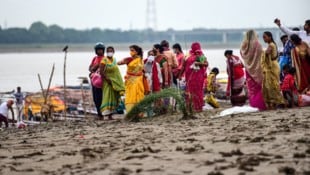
x=271 y=142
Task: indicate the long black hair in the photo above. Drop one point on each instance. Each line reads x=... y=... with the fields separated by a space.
x=269 y=34
x=138 y=49
x=158 y=46
x=164 y=44
x=177 y=46
x=295 y=39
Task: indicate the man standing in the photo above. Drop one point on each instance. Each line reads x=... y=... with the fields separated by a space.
x=4 y=112
x=303 y=34
x=19 y=103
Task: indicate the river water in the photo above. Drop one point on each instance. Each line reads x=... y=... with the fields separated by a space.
x=22 y=69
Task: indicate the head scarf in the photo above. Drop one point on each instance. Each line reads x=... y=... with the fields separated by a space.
x=196 y=48
x=251 y=52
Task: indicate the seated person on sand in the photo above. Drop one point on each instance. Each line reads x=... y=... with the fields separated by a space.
x=212 y=87
x=4 y=112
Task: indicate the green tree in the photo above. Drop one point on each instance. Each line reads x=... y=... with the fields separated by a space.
x=55 y=34
x=39 y=32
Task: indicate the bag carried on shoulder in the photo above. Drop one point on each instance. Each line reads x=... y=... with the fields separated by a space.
x=96 y=79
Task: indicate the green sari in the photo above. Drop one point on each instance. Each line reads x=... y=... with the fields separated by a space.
x=112 y=89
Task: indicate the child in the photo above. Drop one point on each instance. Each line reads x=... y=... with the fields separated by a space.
x=284 y=71
x=289 y=89
x=212 y=88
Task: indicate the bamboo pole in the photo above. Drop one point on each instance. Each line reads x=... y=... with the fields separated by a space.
x=65 y=49
x=45 y=95
x=41 y=85
x=83 y=100
x=49 y=84
x=50 y=108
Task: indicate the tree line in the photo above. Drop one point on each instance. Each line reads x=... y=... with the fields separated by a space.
x=38 y=32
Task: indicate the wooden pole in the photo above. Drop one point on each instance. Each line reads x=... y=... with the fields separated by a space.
x=65 y=49
x=83 y=99
x=42 y=93
x=41 y=85
x=49 y=84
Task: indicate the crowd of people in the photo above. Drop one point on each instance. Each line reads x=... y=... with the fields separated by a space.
x=163 y=68
x=269 y=79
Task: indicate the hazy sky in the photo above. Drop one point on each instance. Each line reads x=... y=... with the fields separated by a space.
x=131 y=14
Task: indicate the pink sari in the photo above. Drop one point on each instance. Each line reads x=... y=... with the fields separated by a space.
x=255 y=93
x=194 y=84
x=251 y=52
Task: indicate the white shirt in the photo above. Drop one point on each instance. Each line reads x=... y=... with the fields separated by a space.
x=4 y=110
x=302 y=34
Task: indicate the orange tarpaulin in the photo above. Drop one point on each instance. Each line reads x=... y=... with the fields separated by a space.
x=36 y=101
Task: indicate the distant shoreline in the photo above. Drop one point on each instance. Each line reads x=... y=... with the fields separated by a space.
x=39 y=48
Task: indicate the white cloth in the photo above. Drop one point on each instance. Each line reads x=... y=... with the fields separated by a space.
x=4 y=110
x=302 y=34
x=148 y=68
x=151 y=58
x=160 y=77
x=238 y=110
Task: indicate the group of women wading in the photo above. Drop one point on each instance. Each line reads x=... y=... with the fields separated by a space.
x=258 y=69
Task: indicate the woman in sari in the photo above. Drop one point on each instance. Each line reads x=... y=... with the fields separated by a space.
x=236 y=79
x=113 y=86
x=152 y=72
x=195 y=69
x=271 y=74
x=251 y=52
x=134 y=89
x=177 y=49
x=301 y=62
x=161 y=59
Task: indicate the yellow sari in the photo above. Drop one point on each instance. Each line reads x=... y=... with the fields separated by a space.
x=271 y=78
x=134 y=89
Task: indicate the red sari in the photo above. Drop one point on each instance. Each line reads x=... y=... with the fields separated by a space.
x=236 y=81
x=161 y=59
x=194 y=83
x=155 y=82
x=301 y=61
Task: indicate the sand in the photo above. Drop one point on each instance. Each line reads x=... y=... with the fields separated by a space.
x=271 y=142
